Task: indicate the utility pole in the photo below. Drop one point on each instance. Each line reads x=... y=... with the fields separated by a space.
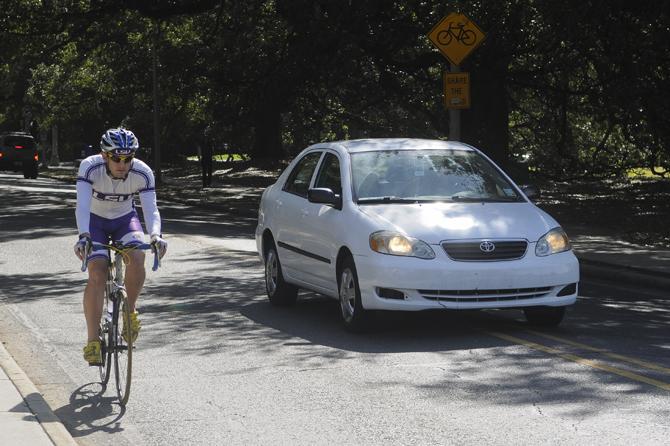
x=157 y=141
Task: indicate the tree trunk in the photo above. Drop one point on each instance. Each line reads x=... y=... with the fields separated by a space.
x=55 y=159
x=267 y=144
x=486 y=124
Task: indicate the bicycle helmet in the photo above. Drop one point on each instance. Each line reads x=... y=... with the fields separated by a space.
x=120 y=142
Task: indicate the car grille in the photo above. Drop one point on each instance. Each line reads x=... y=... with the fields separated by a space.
x=470 y=251
x=484 y=295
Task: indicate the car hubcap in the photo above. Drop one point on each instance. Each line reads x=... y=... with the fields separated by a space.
x=347 y=294
x=271 y=272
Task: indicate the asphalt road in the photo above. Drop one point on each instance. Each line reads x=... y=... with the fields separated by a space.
x=216 y=364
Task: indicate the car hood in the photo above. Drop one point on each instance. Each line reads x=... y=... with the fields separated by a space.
x=436 y=222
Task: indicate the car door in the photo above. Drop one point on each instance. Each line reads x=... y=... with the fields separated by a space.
x=291 y=209
x=322 y=225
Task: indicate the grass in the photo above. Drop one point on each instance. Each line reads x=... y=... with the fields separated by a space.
x=222 y=158
x=644 y=172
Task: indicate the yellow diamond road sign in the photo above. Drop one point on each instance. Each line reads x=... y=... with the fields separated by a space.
x=456 y=36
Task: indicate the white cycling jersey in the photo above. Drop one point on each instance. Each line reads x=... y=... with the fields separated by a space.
x=106 y=197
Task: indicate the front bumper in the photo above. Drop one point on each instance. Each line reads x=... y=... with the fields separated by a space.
x=444 y=283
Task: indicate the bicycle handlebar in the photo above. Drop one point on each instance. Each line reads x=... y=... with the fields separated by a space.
x=95 y=246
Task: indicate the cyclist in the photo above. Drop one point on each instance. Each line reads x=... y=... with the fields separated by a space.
x=106 y=184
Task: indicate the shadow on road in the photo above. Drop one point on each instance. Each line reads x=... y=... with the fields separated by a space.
x=90 y=411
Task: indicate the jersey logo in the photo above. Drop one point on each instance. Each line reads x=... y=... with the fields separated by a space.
x=111 y=197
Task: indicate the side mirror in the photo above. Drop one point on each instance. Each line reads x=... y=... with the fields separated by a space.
x=326 y=196
x=531 y=191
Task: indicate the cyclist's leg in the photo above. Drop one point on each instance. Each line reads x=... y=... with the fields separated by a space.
x=130 y=232
x=93 y=295
x=135 y=275
x=97 y=277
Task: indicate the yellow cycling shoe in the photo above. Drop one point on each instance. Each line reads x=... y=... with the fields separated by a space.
x=135 y=325
x=92 y=353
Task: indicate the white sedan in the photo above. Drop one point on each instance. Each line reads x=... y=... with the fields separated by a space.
x=408 y=225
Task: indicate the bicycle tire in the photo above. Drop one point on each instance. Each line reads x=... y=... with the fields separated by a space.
x=123 y=351
x=105 y=369
x=106 y=343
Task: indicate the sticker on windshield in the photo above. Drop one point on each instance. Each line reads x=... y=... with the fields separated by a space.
x=508 y=192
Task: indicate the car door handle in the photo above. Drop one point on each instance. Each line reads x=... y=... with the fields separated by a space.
x=304 y=213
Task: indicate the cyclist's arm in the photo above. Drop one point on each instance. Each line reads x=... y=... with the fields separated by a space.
x=84 y=197
x=152 y=218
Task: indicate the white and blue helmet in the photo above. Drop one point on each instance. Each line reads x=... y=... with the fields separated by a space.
x=120 y=142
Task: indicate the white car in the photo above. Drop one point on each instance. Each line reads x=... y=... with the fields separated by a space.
x=408 y=225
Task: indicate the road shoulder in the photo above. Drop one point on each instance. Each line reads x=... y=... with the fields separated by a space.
x=25 y=398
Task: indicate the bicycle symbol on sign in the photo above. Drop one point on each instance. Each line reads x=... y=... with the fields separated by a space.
x=455 y=31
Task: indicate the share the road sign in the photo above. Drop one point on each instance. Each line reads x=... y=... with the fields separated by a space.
x=457 y=90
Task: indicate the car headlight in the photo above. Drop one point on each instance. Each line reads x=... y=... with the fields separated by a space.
x=552 y=242
x=396 y=244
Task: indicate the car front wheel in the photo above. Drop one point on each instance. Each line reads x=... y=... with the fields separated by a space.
x=544 y=316
x=354 y=316
x=279 y=291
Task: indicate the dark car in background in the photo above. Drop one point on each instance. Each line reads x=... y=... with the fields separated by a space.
x=18 y=152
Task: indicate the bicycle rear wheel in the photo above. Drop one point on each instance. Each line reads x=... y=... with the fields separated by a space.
x=123 y=351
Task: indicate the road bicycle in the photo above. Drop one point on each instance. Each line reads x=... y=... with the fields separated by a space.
x=465 y=36
x=114 y=319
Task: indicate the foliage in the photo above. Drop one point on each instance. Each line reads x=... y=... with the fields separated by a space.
x=575 y=88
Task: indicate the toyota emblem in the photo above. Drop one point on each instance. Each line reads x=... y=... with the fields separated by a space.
x=487 y=246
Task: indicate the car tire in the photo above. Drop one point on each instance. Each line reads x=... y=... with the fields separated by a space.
x=29 y=170
x=354 y=317
x=544 y=316
x=278 y=290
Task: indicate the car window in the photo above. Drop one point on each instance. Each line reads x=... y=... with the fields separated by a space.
x=298 y=180
x=25 y=142
x=428 y=175
x=329 y=174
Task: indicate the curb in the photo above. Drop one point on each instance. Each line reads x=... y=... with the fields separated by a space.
x=623 y=274
x=51 y=424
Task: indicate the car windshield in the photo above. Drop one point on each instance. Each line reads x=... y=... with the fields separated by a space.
x=410 y=176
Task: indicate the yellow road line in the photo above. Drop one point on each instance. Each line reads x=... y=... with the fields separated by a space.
x=583 y=361
x=645 y=364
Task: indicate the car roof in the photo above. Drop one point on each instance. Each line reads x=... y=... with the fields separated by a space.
x=23 y=134
x=375 y=144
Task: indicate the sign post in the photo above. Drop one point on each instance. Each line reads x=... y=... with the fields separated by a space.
x=456 y=36
x=454 y=112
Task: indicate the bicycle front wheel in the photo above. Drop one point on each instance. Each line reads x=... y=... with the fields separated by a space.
x=105 y=368
x=123 y=352
x=106 y=342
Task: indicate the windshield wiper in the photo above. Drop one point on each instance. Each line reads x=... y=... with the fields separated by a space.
x=483 y=200
x=391 y=199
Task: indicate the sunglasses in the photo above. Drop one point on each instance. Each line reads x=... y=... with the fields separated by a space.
x=117 y=159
